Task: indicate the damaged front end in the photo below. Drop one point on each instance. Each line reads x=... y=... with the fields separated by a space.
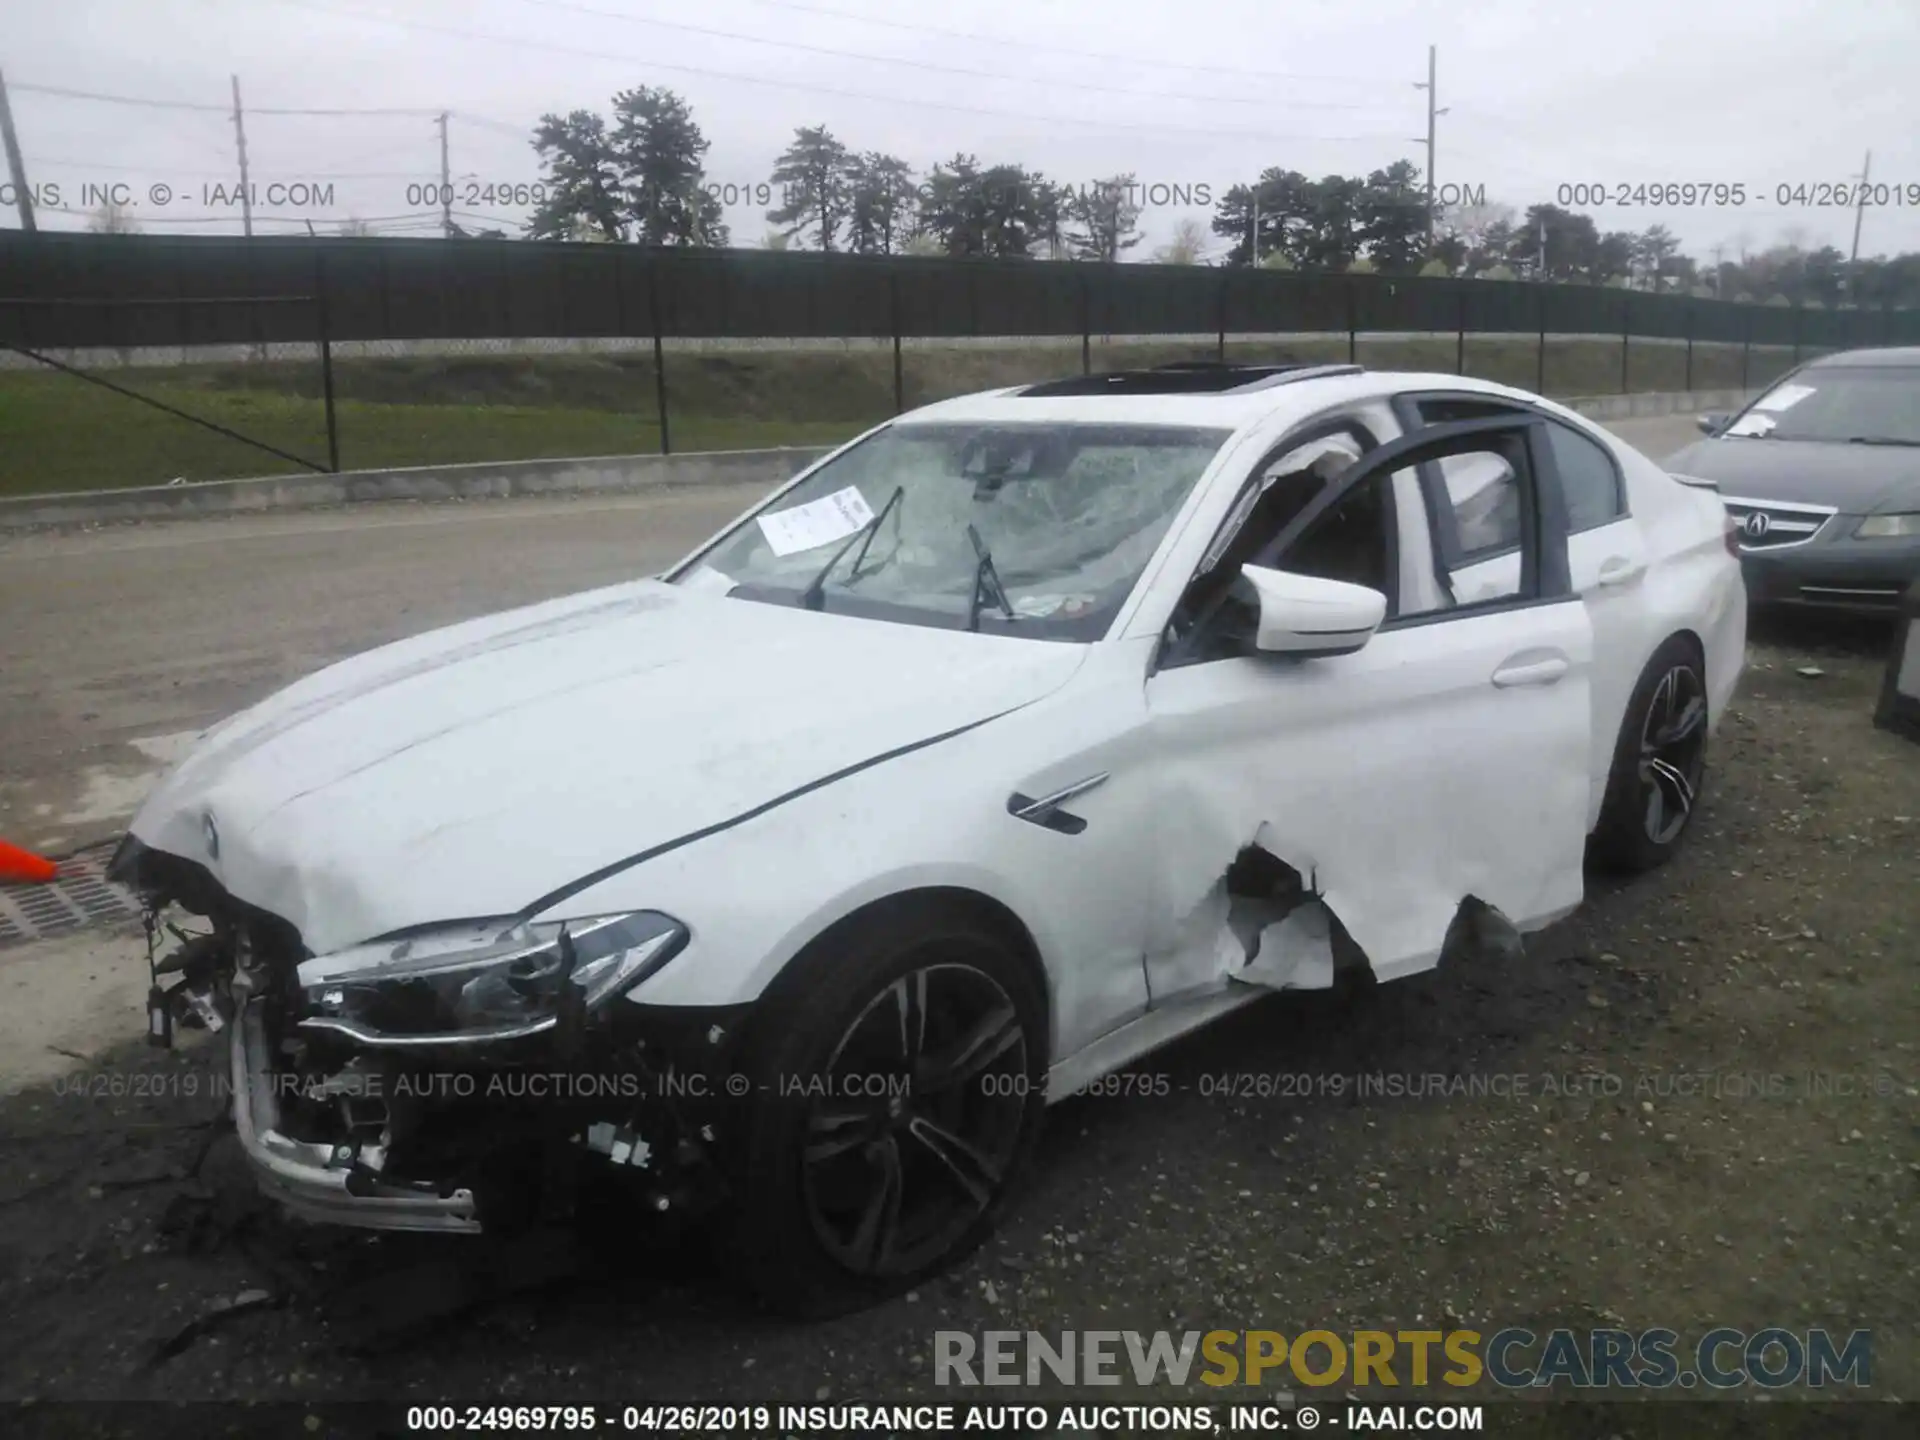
x=472 y=1076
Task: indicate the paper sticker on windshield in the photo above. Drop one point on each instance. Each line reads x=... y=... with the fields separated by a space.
x=1754 y=422
x=818 y=522
x=1784 y=398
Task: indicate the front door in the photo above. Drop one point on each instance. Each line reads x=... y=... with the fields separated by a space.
x=1446 y=758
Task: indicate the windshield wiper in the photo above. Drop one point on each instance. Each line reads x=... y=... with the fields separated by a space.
x=984 y=575
x=814 y=597
x=1879 y=440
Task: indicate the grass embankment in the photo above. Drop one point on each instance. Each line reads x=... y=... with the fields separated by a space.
x=59 y=433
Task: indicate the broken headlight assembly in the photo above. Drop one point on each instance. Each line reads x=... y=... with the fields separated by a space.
x=474 y=984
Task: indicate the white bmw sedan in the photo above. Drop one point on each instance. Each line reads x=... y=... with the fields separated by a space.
x=1020 y=736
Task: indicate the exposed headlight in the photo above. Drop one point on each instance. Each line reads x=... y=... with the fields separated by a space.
x=469 y=985
x=1882 y=527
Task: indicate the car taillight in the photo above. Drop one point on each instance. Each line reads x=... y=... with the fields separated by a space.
x=1732 y=537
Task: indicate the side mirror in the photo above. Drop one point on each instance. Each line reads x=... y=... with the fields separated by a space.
x=1304 y=615
x=1711 y=423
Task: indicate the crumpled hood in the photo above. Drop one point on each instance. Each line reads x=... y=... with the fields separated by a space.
x=472 y=770
x=1856 y=479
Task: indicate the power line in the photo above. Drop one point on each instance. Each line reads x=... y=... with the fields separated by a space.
x=1052 y=81
x=227 y=173
x=519 y=132
x=65 y=94
x=490 y=219
x=149 y=102
x=523 y=43
x=1103 y=55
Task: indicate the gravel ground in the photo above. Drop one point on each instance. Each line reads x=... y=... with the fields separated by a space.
x=1637 y=1180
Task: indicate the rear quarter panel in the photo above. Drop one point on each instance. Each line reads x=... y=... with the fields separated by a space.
x=1692 y=582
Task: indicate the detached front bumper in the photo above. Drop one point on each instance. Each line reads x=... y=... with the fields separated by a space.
x=318 y=1181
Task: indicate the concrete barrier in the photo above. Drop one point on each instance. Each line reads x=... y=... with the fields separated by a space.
x=485 y=480
x=597 y=474
x=1635 y=407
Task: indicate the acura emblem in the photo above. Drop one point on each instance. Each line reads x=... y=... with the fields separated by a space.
x=1756 y=525
x=213 y=836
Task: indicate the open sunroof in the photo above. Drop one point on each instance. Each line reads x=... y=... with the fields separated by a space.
x=1186 y=377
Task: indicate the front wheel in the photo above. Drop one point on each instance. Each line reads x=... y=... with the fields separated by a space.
x=893 y=1109
x=1658 y=763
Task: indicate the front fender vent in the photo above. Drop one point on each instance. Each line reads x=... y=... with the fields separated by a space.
x=1046 y=810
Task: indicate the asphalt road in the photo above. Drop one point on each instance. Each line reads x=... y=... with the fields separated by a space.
x=123 y=643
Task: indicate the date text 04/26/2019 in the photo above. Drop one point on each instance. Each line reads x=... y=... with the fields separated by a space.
x=1736 y=194
x=931 y=1418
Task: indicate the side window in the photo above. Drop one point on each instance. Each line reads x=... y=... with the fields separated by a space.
x=1352 y=541
x=1272 y=499
x=1483 y=494
x=1589 y=480
x=1479 y=502
x=1285 y=486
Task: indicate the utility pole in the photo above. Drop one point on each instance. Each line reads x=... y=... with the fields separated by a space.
x=1859 y=213
x=446 y=181
x=16 y=167
x=240 y=139
x=1253 y=228
x=1434 y=112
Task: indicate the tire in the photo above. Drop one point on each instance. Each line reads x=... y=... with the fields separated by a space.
x=1659 y=763
x=847 y=1196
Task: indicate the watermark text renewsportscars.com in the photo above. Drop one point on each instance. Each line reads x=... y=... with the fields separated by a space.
x=1512 y=1358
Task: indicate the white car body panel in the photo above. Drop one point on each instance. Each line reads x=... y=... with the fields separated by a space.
x=760 y=772
x=468 y=772
x=1658 y=570
x=1400 y=759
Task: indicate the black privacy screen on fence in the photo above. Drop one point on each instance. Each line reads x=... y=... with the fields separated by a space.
x=368 y=289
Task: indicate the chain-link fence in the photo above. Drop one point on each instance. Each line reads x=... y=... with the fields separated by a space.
x=137 y=360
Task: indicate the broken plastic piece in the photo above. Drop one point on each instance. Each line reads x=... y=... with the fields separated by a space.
x=159 y=1019
x=1294 y=953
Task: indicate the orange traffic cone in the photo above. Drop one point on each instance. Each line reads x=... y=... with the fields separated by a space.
x=24 y=867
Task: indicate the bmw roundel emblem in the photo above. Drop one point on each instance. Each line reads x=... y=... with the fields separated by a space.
x=213 y=836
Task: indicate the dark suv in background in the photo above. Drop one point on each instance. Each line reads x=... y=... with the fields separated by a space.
x=1822 y=472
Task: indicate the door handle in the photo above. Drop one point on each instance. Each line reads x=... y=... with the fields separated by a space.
x=1619 y=570
x=1530 y=670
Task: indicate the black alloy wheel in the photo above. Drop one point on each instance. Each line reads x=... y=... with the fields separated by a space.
x=916 y=1121
x=898 y=1075
x=1673 y=752
x=1659 y=762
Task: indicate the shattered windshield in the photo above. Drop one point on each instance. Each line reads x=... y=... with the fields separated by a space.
x=1022 y=528
x=1869 y=404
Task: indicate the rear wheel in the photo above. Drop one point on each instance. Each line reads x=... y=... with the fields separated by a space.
x=894 y=1108
x=1658 y=763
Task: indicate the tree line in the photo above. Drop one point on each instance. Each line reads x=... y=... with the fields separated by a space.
x=639 y=175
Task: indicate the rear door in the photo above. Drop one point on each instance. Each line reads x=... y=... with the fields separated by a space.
x=1445 y=758
x=1472 y=520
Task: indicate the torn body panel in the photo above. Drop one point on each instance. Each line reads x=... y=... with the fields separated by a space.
x=1438 y=763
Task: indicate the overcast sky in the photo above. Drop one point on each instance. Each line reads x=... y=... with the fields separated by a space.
x=1200 y=93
